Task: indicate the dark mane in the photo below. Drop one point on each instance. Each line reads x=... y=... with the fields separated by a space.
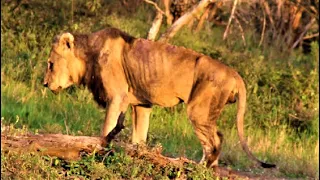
x=81 y=45
x=81 y=41
x=97 y=39
x=93 y=80
x=115 y=33
x=88 y=47
x=94 y=42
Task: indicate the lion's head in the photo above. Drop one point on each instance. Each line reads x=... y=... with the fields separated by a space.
x=64 y=67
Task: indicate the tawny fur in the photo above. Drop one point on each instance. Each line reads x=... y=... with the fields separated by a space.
x=121 y=70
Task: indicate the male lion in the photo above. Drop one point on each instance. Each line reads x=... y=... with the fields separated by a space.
x=121 y=70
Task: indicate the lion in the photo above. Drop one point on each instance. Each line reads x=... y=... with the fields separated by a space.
x=121 y=70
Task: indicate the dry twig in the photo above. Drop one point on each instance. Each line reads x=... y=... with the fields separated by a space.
x=203 y=18
x=307 y=27
x=67 y=128
x=311 y=36
x=267 y=8
x=155 y=5
x=263 y=28
x=242 y=32
x=225 y=34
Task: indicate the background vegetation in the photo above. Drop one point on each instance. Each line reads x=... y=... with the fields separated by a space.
x=281 y=122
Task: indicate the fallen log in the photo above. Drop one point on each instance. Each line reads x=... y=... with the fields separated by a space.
x=70 y=147
x=59 y=145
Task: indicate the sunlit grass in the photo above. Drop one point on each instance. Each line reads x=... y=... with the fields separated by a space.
x=273 y=83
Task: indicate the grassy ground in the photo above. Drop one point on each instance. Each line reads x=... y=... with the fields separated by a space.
x=281 y=120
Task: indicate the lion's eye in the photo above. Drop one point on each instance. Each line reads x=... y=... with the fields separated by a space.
x=51 y=66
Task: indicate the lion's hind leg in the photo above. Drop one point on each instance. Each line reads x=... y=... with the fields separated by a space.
x=203 y=111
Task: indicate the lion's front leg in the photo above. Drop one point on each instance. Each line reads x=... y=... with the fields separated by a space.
x=116 y=109
x=140 y=123
x=117 y=129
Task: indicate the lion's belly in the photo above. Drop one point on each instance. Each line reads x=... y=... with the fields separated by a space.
x=165 y=99
x=168 y=94
x=165 y=95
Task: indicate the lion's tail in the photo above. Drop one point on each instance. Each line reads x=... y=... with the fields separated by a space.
x=240 y=117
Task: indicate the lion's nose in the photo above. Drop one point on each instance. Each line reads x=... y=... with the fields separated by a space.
x=45 y=84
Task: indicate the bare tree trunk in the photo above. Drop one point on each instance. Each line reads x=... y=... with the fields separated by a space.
x=59 y=145
x=167 y=11
x=71 y=147
x=203 y=18
x=183 y=20
x=156 y=24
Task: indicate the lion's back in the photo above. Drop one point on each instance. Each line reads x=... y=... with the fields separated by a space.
x=163 y=73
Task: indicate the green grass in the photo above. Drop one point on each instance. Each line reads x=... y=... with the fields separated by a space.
x=275 y=82
x=115 y=166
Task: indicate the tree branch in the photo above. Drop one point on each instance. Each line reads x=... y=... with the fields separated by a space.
x=225 y=34
x=203 y=18
x=307 y=27
x=183 y=20
x=263 y=29
x=242 y=32
x=311 y=36
x=155 y=5
x=267 y=8
x=156 y=24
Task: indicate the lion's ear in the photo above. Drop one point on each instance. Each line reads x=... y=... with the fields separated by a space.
x=66 y=41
